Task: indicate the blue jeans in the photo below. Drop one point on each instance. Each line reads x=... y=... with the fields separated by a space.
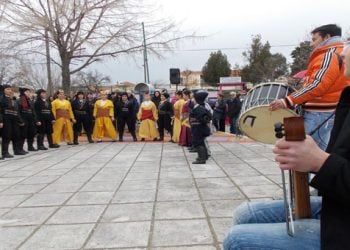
x=233 y=125
x=313 y=120
x=261 y=225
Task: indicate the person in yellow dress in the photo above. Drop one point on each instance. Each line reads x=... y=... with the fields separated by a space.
x=148 y=115
x=104 y=118
x=177 y=123
x=64 y=117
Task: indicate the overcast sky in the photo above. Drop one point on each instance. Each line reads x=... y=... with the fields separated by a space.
x=229 y=25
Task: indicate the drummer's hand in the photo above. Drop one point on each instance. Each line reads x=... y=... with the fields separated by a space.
x=277 y=104
x=302 y=156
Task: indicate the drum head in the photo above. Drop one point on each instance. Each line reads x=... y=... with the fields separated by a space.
x=258 y=123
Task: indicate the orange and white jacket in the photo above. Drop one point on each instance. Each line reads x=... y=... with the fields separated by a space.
x=324 y=79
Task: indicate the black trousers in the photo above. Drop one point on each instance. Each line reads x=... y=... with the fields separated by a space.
x=10 y=132
x=28 y=131
x=83 y=121
x=164 y=122
x=122 y=121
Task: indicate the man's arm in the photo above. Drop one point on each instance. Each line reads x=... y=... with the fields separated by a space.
x=333 y=179
x=332 y=171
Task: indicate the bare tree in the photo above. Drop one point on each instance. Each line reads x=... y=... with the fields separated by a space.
x=85 y=31
x=24 y=71
x=91 y=80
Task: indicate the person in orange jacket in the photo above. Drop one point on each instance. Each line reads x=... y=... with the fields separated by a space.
x=323 y=84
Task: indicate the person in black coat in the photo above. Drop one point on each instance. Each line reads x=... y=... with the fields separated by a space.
x=124 y=111
x=234 y=106
x=29 y=118
x=83 y=116
x=43 y=111
x=219 y=114
x=165 y=112
x=156 y=98
x=200 y=118
x=11 y=123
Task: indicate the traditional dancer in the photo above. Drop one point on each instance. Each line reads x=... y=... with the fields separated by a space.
x=148 y=116
x=104 y=117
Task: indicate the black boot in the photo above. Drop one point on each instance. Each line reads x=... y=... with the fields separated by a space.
x=201 y=155
x=5 y=151
x=121 y=137
x=134 y=136
x=75 y=140
x=18 y=147
x=90 y=138
x=40 y=142
x=30 y=142
x=51 y=145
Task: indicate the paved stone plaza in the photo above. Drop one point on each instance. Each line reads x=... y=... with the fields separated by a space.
x=130 y=195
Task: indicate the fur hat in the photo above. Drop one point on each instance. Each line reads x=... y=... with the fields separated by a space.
x=80 y=93
x=200 y=96
x=39 y=91
x=166 y=95
x=24 y=89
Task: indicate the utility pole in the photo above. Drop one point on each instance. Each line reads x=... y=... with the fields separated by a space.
x=48 y=63
x=145 y=59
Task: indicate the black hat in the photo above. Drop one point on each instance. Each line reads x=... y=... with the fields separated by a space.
x=39 y=91
x=166 y=95
x=23 y=89
x=200 y=96
x=6 y=86
x=124 y=93
x=80 y=93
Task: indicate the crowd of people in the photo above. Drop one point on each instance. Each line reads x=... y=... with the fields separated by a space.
x=23 y=119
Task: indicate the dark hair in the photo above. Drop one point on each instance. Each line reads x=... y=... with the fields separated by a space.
x=329 y=29
x=186 y=92
x=221 y=95
x=179 y=92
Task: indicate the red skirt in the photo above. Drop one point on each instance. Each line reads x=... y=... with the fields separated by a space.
x=185 y=136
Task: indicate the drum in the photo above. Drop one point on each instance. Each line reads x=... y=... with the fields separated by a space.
x=255 y=120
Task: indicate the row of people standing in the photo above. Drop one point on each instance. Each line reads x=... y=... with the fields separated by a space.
x=230 y=109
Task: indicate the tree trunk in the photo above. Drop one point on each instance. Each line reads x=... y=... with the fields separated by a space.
x=66 y=76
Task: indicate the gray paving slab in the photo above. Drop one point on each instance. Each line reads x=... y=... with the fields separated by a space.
x=11 y=237
x=181 y=232
x=77 y=214
x=128 y=212
x=27 y=216
x=116 y=235
x=90 y=198
x=59 y=237
x=38 y=200
x=179 y=210
x=130 y=195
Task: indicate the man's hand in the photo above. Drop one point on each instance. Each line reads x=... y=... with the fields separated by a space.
x=53 y=121
x=74 y=121
x=112 y=118
x=1 y=125
x=38 y=123
x=277 y=104
x=302 y=156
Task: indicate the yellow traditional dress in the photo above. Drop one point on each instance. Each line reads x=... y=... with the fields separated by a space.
x=177 y=123
x=103 y=113
x=148 y=115
x=62 y=128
